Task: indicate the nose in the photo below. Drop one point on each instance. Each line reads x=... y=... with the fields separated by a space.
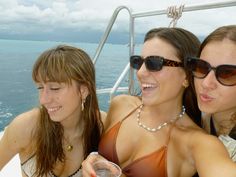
x=143 y=70
x=44 y=96
x=210 y=82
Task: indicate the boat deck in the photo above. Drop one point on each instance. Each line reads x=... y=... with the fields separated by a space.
x=12 y=169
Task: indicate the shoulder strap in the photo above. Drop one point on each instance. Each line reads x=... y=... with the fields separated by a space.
x=131 y=112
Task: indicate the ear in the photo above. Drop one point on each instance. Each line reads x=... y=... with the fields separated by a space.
x=185 y=83
x=84 y=92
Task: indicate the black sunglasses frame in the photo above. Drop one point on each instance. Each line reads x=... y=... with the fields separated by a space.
x=190 y=61
x=152 y=63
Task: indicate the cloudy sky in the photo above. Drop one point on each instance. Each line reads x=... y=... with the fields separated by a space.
x=86 y=20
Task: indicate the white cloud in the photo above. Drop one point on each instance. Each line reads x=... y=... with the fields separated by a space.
x=48 y=15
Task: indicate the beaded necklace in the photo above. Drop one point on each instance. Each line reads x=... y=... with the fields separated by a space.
x=181 y=114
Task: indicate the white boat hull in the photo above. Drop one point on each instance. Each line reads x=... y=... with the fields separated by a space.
x=12 y=169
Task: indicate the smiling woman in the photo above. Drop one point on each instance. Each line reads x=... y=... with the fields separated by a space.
x=56 y=141
x=157 y=128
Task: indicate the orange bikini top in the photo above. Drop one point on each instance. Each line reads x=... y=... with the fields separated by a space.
x=151 y=165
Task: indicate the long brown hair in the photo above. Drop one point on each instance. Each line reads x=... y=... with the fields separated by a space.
x=221 y=33
x=186 y=44
x=64 y=64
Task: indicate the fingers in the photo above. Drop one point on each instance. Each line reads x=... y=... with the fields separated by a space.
x=87 y=169
x=87 y=165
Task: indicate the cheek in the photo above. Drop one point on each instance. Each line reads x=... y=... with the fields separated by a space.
x=197 y=84
x=228 y=95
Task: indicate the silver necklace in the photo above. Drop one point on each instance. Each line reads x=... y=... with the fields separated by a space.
x=181 y=114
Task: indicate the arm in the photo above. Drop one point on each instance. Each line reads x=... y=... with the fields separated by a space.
x=16 y=137
x=211 y=158
x=5 y=153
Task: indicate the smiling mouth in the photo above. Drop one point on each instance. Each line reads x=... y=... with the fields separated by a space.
x=54 y=109
x=148 y=86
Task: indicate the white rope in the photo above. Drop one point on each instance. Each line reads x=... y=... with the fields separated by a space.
x=174 y=13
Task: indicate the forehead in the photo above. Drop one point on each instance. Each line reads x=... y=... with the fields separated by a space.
x=157 y=46
x=220 y=52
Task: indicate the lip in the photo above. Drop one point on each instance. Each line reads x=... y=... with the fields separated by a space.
x=148 y=88
x=205 y=97
x=52 y=110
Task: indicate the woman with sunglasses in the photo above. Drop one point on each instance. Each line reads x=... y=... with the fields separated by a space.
x=152 y=135
x=215 y=83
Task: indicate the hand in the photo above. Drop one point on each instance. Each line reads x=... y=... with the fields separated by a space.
x=87 y=164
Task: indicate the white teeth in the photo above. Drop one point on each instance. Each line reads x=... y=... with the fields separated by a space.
x=53 y=109
x=147 y=85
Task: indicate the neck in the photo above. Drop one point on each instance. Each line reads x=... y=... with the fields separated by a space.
x=72 y=136
x=159 y=127
x=165 y=111
x=224 y=121
x=73 y=123
x=74 y=130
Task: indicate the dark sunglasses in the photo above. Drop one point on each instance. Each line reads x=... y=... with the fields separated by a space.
x=152 y=63
x=225 y=74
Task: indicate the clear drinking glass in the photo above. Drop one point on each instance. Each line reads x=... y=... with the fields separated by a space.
x=106 y=169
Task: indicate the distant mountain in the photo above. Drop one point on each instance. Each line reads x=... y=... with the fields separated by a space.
x=88 y=36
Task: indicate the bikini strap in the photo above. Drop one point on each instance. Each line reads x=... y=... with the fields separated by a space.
x=131 y=112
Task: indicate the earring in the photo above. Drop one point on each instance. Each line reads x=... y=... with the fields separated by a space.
x=82 y=104
x=185 y=83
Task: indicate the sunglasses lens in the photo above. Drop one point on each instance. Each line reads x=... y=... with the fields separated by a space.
x=136 y=62
x=226 y=75
x=154 y=63
x=199 y=67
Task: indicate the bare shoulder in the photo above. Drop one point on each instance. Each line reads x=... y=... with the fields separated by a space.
x=201 y=140
x=120 y=107
x=210 y=156
x=18 y=132
x=125 y=99
x=124 y=102
x=192 y=135
x=185 y=131
x=202 y=151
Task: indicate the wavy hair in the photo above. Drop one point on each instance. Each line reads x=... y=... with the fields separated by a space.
x=64 y=64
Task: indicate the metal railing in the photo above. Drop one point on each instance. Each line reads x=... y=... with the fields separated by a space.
x=132 y=17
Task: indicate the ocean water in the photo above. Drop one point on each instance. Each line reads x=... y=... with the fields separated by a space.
x=17 y=90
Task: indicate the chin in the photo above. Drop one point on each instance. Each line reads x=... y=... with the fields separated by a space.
x=55 y=119
x=207 y=109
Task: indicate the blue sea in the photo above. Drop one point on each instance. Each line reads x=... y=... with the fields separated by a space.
x=17 y=90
